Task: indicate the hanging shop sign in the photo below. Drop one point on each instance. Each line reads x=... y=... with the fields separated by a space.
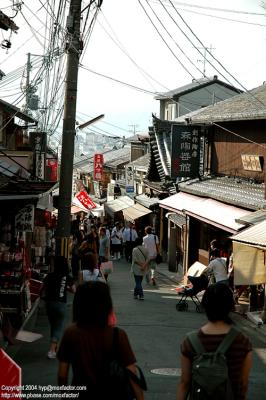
x=252 y=162
x=38 y=143
x=85 y=200
x=96 y=188
x=98 y=167
x=110 y=191
x=129 y=180
x=24 y=220
x=185 y=158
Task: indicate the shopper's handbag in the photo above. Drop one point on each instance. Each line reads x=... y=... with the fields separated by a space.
x=158 y=258
x=107 y=267
x=120 y=387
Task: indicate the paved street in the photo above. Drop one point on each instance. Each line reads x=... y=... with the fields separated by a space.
x=155 y=330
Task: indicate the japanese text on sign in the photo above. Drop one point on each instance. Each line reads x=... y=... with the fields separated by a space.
x=98 y=167
x=185 y=151
x=85 y=200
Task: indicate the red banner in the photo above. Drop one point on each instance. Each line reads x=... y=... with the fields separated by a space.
x=85 y=200
x=10 y=377
x=98 y=167
x=52 y=165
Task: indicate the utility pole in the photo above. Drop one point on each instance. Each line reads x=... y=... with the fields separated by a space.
x=68 y=136
x=28 y=87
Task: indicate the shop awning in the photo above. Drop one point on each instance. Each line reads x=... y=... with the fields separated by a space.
x=134 y=212
x=113 y=206
x=211 y=211
x=253 y=236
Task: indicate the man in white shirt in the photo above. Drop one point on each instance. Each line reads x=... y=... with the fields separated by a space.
x=116 y=238
x=129 y=237
x=151 y=243
x=217 y=267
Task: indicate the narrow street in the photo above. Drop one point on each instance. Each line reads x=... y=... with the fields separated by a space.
x=155 y=330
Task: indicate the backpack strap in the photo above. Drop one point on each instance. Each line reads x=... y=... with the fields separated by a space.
x=228 y=340
x=222 y=348
x=195 y=342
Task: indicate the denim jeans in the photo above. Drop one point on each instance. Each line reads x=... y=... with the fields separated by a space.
x=56 y=312
x=138 y=291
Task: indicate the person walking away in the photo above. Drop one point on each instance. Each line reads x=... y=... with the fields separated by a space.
x=129 y=237
x=217 y=267
x=151 y=243
x=55 y=286
x=104 y=248
x=140 y=263
x=91 y=271
x=217 y=302
x=87 y=344
x=90 y=244
x=116 y=237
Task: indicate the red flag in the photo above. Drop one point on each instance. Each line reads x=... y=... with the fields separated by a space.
x=85 y=200
x=10 y=377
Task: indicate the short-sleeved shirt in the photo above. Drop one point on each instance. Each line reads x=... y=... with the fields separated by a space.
x=56 y=287
x=104 y=245
x=88 y=275
x=89 y=349
x=149 y=242
x=218 y=268
x=235 y=355
x=139 y=255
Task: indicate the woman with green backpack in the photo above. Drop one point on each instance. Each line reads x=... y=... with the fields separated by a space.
x=216 y=360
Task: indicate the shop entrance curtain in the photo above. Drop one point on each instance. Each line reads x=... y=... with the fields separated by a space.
x=249 y=264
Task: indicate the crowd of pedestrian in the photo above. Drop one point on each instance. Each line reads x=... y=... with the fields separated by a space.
x=87 y=345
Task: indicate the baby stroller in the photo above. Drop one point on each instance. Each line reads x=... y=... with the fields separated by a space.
x=199 y=281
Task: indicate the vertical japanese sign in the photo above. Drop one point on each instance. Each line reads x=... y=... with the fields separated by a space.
x=38 y=142
x=24 y=219
x=98 y=167
x=185 y=151
x=129 y=180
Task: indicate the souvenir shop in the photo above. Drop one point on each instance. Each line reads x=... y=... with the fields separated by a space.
x=26 y=247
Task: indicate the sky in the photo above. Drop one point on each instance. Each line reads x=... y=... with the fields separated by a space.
x=150 y=46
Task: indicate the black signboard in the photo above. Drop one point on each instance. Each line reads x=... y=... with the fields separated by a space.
x=185 y=151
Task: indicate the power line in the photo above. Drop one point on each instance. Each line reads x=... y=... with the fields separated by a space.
x=219 y=9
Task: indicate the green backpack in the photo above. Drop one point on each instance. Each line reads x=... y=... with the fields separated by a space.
x=210 y=378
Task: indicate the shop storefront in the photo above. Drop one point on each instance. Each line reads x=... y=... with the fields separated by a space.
x=26 y=226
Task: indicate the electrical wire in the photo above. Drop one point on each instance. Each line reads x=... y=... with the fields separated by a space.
x=219 y=9
x=213 y=57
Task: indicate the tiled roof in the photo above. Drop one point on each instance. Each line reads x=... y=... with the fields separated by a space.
x=141 y=162
x=147 y=201
x=160 y=159
x=111 y=158
x=16 y=111
x=245 y=106
x=253 y=218
x=228 y=190
x=194 y=85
